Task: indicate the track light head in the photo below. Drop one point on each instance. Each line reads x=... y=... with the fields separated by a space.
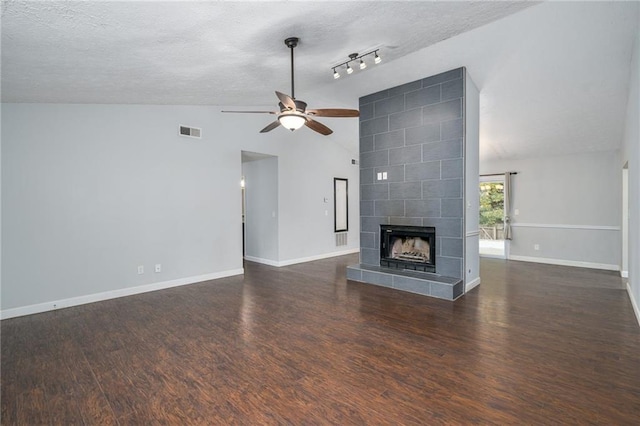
x=349 y=69
x=377 y=59
x=362 y=64
x=336 y=74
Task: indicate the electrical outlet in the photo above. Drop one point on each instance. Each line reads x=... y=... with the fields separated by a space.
x=158 y=267
x=536 y=246
x=140 y=269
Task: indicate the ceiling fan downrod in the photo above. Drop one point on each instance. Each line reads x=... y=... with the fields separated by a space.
x=291 y=43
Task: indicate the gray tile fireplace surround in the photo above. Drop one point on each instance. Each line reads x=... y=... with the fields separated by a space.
x=414 y=135
x=424 y=283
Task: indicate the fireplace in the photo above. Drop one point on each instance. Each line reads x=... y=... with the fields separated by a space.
x=408 y=247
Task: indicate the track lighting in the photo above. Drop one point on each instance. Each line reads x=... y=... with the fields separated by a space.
x=354 y=57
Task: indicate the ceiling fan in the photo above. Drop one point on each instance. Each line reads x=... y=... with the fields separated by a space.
x=294 y=114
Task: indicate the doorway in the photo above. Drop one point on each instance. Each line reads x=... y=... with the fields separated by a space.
x=492 y=213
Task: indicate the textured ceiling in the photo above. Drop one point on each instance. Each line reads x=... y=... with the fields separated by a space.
x=553 y=77
x=210 y=53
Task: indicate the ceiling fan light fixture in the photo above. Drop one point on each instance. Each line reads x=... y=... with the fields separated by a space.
x=292 y=121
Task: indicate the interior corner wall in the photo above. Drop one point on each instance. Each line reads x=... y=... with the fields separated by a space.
x=471 y=183
x=631 y=155
x=90 y=192
x=414 y=133
x=569 y=206
x=261 y=210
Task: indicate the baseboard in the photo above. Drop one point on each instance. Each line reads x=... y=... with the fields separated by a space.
x=98 y=297
x=633 y=303
x=563 y=262
x=279 y=264
x=624 y=274
x=472 y=284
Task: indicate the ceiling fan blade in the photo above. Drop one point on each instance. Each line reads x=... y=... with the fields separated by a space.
x=334 y=112
x=253 y=112
x=286 y=100
x=318 y=127
x=270 y=127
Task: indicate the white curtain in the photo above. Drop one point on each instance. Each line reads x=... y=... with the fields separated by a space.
x=507 y=206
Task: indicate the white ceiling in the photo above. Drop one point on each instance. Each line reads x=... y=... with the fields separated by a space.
x=553 y=76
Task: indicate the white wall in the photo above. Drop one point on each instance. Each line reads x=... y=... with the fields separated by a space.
x=568 y=205
x=471 y=182
x=89 y=192
x=631 y=154
x=261 y=216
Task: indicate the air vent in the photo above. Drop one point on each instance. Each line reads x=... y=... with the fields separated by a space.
x=192 y=132
x=341 y=238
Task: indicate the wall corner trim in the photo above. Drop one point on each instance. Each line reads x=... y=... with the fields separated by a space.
x=636 y=310
x=472 y=284
x=113 y=294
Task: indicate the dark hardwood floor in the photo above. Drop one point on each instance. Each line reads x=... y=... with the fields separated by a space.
x=534 y=344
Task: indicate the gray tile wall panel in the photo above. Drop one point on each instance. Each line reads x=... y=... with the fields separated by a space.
x=376 y=125
x=451 y=247
x=422 y=97
x=372 y=224
x=445 y=227
x=407 y=155
x=452 y=207
x=394 y=173
x=366 y=144
x=446 y=188
x=374 y=192
x=452 y=168
x=422 y=208
x=374 y=159
x=422 y=171
x=405 y=88
x=389 y=208
x=413 y=221
x=366 y=208
x=451 y=129
x=403 y=120
x=449 y=266
x=370 y=256
x=444 y=150
x=422 y=134
x=373 y=97
x=388 y=140
x=389 y=105
x=366 y=112
x=366 y=176
x=414 y=133
x=452 y=89
x=441 y=78
x=443 y=111
x=405 y=190
x=367 y=240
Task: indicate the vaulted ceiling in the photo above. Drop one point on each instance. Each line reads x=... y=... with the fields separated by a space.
x=551 y=76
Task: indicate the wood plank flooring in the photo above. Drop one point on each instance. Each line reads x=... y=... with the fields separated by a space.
x=533 y=344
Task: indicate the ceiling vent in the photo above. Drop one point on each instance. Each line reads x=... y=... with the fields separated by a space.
x=192 y=132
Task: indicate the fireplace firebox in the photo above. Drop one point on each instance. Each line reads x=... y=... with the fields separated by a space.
x=408 y=247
